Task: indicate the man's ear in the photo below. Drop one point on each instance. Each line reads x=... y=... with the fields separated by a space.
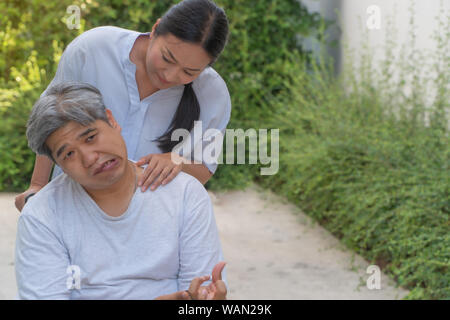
x=112 y=121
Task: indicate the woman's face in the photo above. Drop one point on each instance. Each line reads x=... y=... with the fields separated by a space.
x=171 y=62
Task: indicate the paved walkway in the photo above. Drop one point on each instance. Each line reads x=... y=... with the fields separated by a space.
x=273 y=250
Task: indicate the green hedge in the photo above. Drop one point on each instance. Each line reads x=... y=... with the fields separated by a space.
x=378 y=181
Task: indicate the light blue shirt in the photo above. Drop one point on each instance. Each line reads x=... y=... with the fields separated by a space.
x=101 y=57
x=69 y=248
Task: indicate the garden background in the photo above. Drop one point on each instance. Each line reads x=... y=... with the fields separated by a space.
x=364 y=150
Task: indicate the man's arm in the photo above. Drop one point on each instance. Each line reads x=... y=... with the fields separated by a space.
x=199 y=243
x=41 y=261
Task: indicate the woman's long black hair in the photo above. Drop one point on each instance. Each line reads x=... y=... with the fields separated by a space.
x=200 y=22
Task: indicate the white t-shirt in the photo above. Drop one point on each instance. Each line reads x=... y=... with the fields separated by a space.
x=69 y=248
x=101 y=57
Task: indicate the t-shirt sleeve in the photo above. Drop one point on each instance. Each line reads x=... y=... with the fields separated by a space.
x=199 y=242
x=41 y=261
x=215 y=103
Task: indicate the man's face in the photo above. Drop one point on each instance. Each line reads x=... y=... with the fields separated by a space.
x=95 y=156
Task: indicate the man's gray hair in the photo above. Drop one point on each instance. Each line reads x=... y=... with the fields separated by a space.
x=62 y=103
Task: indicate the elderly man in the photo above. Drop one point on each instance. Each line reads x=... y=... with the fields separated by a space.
x=89 y=234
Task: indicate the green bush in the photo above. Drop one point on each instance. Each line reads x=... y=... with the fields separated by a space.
x=356 y=155
x=29 y=52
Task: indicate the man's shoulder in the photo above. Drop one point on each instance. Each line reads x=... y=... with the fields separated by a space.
x=185 y=181
x=183 y=187
x=43 y=203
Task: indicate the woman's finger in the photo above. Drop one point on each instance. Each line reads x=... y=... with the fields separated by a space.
x=147 y=171
x=148 y=182
x=144 y=160
x=145 y=174
x=161 y=177
x=172 y=175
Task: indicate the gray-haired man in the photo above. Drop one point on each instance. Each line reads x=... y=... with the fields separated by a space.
x=89 y=234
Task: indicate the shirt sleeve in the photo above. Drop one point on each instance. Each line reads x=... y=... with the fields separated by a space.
x=41 y=261
x=199 y=242
x=215 y=113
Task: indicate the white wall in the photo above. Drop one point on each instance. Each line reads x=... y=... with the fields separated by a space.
x=352 y=12
x=424 y=17
x=352 y=20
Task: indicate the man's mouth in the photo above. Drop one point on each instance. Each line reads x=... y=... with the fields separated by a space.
x=106 y=166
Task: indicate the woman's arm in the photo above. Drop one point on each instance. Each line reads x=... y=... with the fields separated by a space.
x=199 y=171
x=162 y=169
x=41 y=174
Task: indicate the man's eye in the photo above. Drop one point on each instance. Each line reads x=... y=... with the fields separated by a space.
x=68 y=155
x=90 y=138
x=188 y=73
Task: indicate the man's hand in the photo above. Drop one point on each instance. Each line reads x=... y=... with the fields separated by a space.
x=185 y=295
x=217 y=289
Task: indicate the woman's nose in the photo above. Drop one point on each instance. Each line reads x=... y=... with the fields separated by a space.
x=171 y=75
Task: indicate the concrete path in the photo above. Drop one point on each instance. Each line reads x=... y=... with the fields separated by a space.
x=273 y=251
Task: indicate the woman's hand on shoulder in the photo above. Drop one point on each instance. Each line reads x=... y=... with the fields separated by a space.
x=20 y=199
x=161 y=169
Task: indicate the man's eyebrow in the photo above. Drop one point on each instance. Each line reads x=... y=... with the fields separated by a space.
x=171 y=55
x=63 y=147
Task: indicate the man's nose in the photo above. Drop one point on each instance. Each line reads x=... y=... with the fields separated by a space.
x=88 y=157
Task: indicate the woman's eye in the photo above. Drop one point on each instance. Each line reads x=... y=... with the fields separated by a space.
x=165 y=59
x=190 y=75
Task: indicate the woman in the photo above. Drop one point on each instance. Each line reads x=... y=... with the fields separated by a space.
x=154 y=83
